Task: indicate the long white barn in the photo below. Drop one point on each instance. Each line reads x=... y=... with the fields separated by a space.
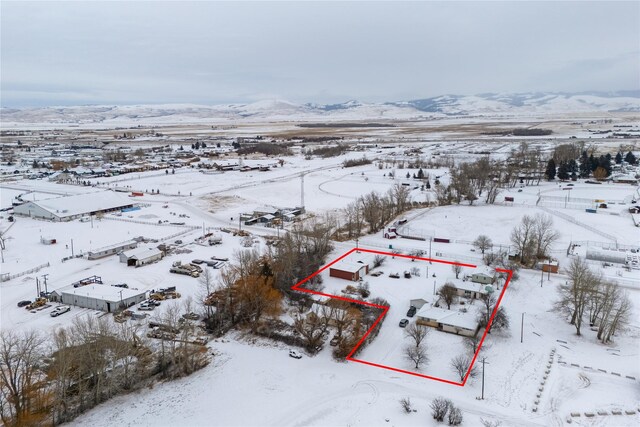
x=68 y=208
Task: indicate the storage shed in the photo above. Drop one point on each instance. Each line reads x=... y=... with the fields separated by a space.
x=141 y=256
x=349 y=270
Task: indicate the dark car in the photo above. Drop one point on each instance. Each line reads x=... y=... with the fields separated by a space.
x=412 y=311
x=24 y=303
x=403 y=323
x=197 y=261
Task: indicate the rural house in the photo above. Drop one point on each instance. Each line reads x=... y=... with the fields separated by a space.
x=454 y=322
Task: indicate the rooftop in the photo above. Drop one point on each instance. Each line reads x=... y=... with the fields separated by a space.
x=449 y=317
x=142 y=252
x=105 y=292
x=83 y=203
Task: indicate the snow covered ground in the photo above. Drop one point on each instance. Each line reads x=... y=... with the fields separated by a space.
x=254 y=382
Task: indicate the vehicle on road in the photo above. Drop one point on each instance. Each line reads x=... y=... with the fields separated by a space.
x=24 y=303
x=412 y=311
x=295 y=354
x=403 y=323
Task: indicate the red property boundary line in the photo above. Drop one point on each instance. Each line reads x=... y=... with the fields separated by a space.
x=385 y=309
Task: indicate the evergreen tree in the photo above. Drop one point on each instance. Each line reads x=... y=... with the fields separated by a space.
x=605 y=164
x=550 y=173
x=420 y=174
x=593 y=162
x=35 y=164
x=563 y=171
x=630 y=158
x=585 y=166
x=618 y=158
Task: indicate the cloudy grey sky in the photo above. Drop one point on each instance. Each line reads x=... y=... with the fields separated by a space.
x=74 y=53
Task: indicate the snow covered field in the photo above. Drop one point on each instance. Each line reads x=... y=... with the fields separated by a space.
x=254 y=382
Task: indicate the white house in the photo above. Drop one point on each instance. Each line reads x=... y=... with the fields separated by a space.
x=455 y=322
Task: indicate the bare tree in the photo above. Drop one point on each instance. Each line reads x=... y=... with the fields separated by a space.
x=405 y=402
x=23 y=393
x=543 y=234
x=378 y=260
x=439 y=408
x=616 y=308
x=460 y=365
x=490 y=423
x=577 y=291
x=416 y=354
x=522 y=237
x=418 y=333
x=457 y=269
x=482 y=243
x=207 y=287
x=500 y=319
x=311 y=327
x=448 y=293
x=455 y=416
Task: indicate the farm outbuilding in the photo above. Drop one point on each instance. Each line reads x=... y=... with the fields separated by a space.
x=99 y=297
x=140 y=256
x=483 y=278
x=349 y=270
x=68 y=208
x=112 y=249
x=471 y=290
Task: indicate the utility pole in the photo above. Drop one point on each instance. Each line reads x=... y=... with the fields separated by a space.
x=522 y=328
x=483 y=362
x=541 y=274
x=72 y=248
x=434 y=287
x=44 y=276
x=430 y=240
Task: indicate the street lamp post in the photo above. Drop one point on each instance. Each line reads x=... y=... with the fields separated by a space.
x=522 y=328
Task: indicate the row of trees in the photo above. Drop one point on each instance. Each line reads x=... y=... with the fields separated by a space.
x=51 y=379
x=370 y=213
x=533 y=238
x=588 y=296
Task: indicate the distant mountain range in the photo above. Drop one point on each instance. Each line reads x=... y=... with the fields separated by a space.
x=482 y=105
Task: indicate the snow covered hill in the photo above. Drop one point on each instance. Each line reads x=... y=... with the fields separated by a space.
x=524 y=104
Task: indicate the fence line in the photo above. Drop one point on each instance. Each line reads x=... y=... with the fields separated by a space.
x=163 y=224
x=6 y=276
x=581 y=224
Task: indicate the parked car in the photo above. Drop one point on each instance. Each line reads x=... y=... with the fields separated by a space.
x=412 y=311
x=146 y=306
x=197 y=261
x=403 y=323
x=178 y=242
x=61 y=309
x=24 y=303
x=295 y=354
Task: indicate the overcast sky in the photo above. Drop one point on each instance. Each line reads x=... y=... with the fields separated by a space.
x=208 y=53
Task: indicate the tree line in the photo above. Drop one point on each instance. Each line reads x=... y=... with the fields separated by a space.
x=52 y=378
